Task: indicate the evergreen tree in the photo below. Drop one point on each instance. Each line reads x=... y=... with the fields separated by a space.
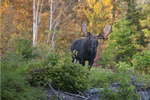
x=145 y=23
x=134 y=14
x=120 y=46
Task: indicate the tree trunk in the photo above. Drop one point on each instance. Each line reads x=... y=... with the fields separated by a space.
x=51 y=17
x=34 y=26
x=36 y=21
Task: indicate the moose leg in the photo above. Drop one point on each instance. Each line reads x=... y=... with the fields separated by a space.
x=90 y=63
x=73 y=59
x=82 y=62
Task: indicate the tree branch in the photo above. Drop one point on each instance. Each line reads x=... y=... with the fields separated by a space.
x=39 y=19
x=49 y=83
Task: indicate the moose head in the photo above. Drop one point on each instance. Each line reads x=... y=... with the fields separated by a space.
x=87 y=47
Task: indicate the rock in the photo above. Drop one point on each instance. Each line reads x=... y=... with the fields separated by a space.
x=95 y=90
x=114 y=89
x=115 y=84
x=145 y=95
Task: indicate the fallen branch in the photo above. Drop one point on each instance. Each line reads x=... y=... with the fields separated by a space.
x=76 y=95
x=80 y=92
x=49 y=83
x=142 y=95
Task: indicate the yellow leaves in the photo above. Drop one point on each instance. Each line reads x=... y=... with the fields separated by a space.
x=111 y=7
x=4 y=8
x=147 y=32
x=107 y=2
x=98 y=7
x=146 y=24
x=91 y=3
x=98 y=14
x=14 y=35
x=5 y=5
x=61 y=61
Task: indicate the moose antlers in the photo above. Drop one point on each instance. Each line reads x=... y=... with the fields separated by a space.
x=106 y=31
x=84 y=29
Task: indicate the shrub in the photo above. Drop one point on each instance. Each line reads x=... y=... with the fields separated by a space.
x=63 y=74
x=14 y=84
x=52 y=58
x=123 y=71
x=141 y=62
x=125 y=91
x=24 y=48
x=98 y=77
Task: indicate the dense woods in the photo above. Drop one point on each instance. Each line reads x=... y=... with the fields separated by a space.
x=36 y=36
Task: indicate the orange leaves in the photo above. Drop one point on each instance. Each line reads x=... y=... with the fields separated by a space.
x=5 y=5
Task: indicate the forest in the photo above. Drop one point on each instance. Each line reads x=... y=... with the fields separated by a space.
x=36 y=59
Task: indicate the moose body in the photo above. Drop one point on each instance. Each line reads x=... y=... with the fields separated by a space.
x=86 y=48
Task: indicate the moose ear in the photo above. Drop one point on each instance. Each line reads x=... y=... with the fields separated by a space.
x=100 y=36
x=89 y=34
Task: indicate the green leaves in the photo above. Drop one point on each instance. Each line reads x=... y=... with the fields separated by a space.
x=23 y=48
x=120 y=46
x=125 y=91
x=63 y=74
x=141 y=62
x=14 y=82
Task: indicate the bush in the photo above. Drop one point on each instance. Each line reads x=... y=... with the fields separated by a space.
x=141 y=62
x=123 y=72
x=119 y=45
x=63 y=74
x=98 y=77
x=24 y=48
x=52 y=58
x=125 y=91
x=14 y=84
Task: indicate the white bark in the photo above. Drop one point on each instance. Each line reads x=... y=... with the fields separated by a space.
x=51 y=17
x=54 y=21
x=36 y=20
x=34 y=24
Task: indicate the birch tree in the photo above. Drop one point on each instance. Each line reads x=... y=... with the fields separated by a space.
x=37 y=8
x=60 y=7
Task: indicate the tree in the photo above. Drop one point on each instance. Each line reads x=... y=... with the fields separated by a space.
x=36 y=20
x=134 y=14
x=96 y=13
x=56 y=10
x=120 y=46
x=145 y=23
x=16 y=20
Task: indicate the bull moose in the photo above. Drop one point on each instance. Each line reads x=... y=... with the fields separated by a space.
x=87 y=47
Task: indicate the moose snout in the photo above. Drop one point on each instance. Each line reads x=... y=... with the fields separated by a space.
x=94 y=45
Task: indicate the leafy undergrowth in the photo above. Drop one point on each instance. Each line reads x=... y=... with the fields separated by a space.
x=14 y=84
x=20 y=77
x=63 y=74
x=103 y=78
x=98 y=77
